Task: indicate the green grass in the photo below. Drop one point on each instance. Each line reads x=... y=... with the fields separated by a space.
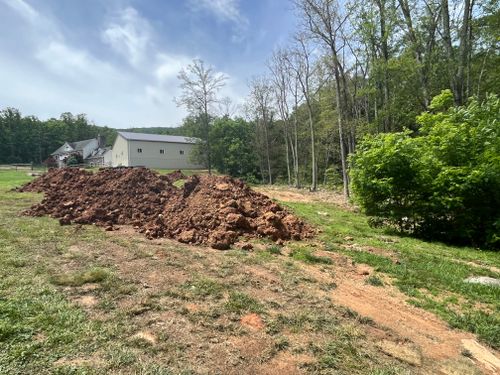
x=240 y=302
x=93 y=275
x=305 y=255
x=428 y=272
x=204 y=287
x=374 y=280
x=274 y=249
x=40 y=322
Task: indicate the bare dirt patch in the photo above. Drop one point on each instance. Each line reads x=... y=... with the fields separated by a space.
x=288 y=194
x=387 y=307
x=253 y=321
x=86 y=301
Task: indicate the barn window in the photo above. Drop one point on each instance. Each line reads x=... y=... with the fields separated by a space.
x=162 y=151
x=181 y=152
x=139 y=150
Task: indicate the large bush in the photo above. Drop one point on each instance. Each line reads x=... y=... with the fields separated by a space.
x=441 y=183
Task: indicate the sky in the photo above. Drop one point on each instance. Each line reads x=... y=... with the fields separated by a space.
x=117 y=60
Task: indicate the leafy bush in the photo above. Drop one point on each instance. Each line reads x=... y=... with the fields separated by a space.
x=74 y=159
x=442 y=183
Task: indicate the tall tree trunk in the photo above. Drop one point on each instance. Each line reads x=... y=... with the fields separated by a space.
x=266 y=136
x=385 y=57
x=449 y=49
x=296 y=143
x=418 y=50
x=287 y=155
x=314 y=178
x=207 y=137
x=341 y=137
x=463 y=51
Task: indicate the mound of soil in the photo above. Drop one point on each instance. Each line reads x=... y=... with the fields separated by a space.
x=203 y=210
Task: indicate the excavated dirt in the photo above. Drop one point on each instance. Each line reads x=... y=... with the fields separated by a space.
x=203 y=210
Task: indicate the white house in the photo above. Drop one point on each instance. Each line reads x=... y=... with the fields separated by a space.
x=92 y=152
x=153 y=151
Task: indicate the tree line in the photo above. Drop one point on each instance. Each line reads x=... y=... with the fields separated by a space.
x=27 y=139
x=379 y=68
x=349 y=70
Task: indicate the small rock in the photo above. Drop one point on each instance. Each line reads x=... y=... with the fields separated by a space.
x=186 y=236
x=349 y=238
x=483 y=280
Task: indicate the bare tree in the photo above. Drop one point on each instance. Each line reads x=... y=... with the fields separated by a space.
x=226 y=107
x=282 y=87
x=260 y=104
x=200 y=85
x=457 y=63
x=300 y=63
x=323 y=21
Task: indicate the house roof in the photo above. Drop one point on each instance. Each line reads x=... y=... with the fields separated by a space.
x=99 y=152
x=62 y=149
x=75 y=146
x=78 y=146
x=156 y=138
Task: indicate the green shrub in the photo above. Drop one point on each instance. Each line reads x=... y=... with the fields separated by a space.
x=442 y=183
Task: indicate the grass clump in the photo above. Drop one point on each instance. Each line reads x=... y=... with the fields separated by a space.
x=305 y=255
x=274 y=249
x=93 y=275
x=205 y=287
x=179 y=184
x=375 y=281
x=240 y=302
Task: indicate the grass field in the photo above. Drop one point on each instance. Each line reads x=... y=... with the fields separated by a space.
x=78 y=300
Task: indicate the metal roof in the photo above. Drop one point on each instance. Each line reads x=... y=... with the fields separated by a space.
x=156 y=137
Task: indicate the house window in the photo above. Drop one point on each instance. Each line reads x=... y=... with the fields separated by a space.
x=162 y=151
x=181 y=152
x=139 y=150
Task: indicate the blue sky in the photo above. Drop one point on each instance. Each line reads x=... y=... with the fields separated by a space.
x=117 y=60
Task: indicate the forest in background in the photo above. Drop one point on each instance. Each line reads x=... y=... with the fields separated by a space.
x=349 y=70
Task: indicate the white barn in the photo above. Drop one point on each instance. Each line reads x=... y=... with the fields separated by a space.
x=153 y=151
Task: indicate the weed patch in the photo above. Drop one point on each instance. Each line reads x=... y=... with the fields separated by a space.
x=94 y=275
x=240 y=302
x=374 y=280
x=305 y=255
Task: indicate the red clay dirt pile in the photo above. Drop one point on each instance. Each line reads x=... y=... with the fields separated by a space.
x=208 y=210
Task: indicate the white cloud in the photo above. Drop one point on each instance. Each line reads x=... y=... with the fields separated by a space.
x=130 y=36
x=41 y=26
x=23 y=9
x=170 y=65
x=225 y=10
x=166 y=85
x=73 y=63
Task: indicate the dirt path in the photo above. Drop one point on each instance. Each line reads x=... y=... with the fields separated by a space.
x=424 y=340
x=413 y=335
x=432 y=338
x=286 y=194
